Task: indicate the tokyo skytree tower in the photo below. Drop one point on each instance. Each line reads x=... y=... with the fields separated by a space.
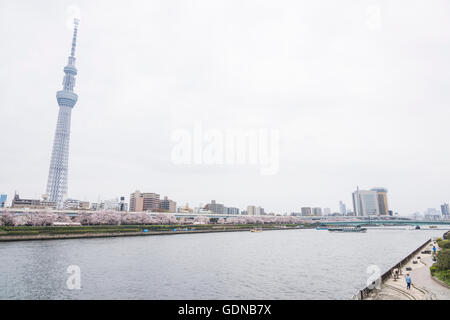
x=57 y=175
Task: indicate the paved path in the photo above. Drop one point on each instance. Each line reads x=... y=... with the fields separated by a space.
x=423 y=286
x=421 y=277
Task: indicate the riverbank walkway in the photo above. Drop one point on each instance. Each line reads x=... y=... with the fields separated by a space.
x=423 y=286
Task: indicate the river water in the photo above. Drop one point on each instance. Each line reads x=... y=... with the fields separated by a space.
x=285 y=264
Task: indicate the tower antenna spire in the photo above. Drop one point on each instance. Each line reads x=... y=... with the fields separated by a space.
x=76 y=22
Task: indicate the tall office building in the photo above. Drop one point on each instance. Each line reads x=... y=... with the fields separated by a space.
x=326 y=211
x=58 y=172
x=342 y=208
x=306 y=211
x=365 y=203
x=382 y=200
x=317 y=211
x=445 y=210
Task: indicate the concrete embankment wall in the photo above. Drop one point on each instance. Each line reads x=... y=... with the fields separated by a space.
x=361 y=294
x=121 y=234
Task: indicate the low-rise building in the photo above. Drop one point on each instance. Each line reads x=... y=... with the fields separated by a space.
x=148 y=201
x=123 y=206
x=231 y=210
x=215 y=207
x=255 y=211
x=73 y=204
x=168 y=205
x=185 y=209
x=17 y=202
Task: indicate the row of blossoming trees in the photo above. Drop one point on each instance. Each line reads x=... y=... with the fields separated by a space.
x=137 y=218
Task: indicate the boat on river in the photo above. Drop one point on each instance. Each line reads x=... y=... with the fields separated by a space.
x=256 y=230
x=321 y=228
x=348 y=229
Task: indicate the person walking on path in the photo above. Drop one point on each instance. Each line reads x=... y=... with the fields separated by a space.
x=434 y=250
x=395 y=274
x=408 y=282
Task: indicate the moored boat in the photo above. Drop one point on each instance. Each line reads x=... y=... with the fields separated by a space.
x=354 y=229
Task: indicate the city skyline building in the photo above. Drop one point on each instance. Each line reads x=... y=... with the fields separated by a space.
x=185 y=209
x=365 y=203
x=342 y=208
x=306 y=211
x=432 y=212
x=445 y=210
x=3 y=198
x=254 y=211
x=144 y=201
x=76 y=204
x=58 y=172
x=17 y=202
x=168 y=205
x=215 y=207
x=232 y=210
x=382 y=200
x=123 y=206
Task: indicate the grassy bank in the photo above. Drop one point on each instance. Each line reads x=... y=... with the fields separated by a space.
x=441 y=269
x=23 y=231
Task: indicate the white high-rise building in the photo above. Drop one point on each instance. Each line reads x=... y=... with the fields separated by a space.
x=365 y=203
x=445 y=210
x=342 y=208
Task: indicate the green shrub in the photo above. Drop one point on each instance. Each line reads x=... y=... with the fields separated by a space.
x=443 y=259
x=444 y=276
x=444 y=244
x=433 y=269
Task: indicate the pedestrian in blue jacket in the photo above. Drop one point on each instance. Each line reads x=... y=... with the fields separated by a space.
x=408 y=282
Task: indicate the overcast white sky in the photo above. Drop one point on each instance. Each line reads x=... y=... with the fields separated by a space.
x=358 y=98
